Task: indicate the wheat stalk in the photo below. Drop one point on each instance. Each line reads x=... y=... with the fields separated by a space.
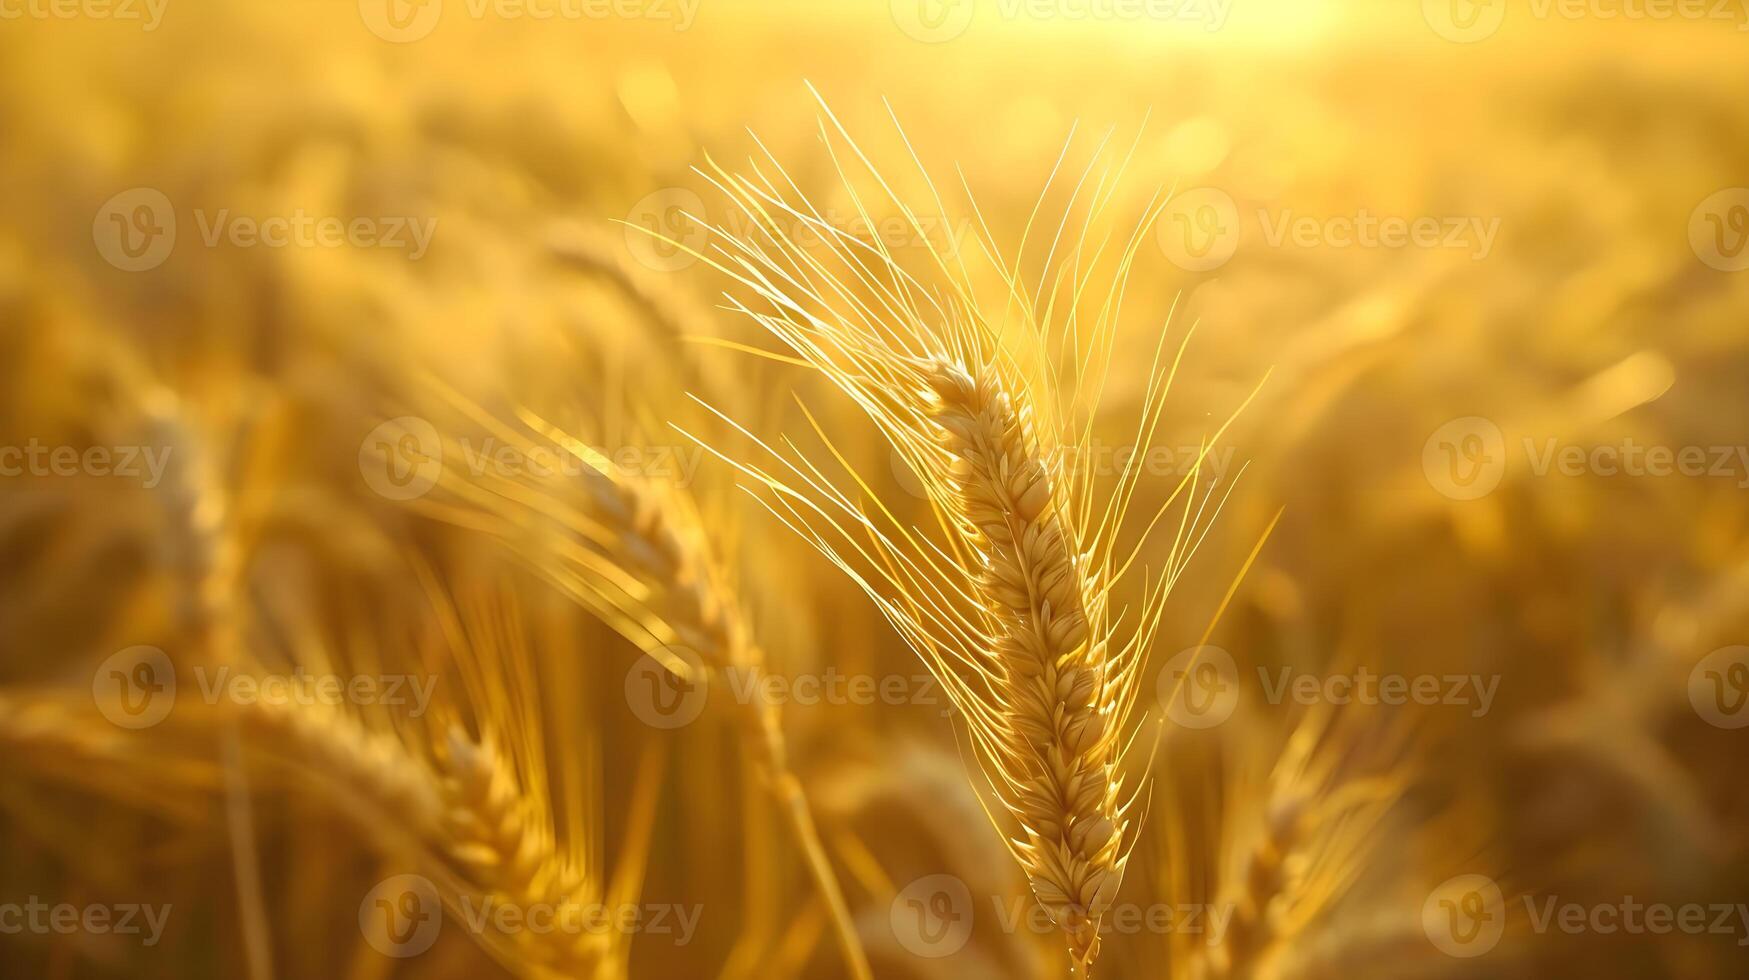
x=463 y=814
x=989 y=406
x=1295 y=849
x=635 y=552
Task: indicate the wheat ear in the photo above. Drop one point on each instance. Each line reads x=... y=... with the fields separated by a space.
x=1298 y=846
x=1052 y=695
x=989 y=405
x=637 y=555
x=463 y=815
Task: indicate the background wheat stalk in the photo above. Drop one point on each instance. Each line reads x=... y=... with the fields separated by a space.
x=636 y=553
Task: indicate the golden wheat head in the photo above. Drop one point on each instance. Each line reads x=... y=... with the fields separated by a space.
x=989 y=404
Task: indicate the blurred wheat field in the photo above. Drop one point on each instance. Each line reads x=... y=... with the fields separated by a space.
x=716 y=488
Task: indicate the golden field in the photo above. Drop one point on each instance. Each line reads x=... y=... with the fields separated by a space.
x=931 y=488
